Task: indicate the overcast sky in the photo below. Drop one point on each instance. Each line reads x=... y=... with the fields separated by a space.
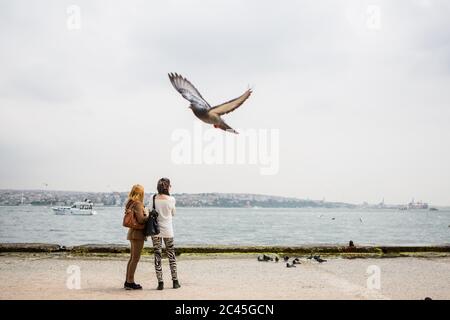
x=362 y=106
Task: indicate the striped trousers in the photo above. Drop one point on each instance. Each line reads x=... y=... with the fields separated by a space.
x=157 y=248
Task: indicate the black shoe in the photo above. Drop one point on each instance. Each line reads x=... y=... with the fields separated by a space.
x=176 y=284
x=160 y=286
x=132 y=286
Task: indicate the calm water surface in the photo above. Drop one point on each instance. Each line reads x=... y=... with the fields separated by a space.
x=236 y=226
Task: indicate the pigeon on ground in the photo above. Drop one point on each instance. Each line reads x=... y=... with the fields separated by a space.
x=296 y=261
x=289 y=265
x=201 y=108
x=265 y=258
x=286 y=258
x=277 y=259
x=319 y=259
x=310 y=256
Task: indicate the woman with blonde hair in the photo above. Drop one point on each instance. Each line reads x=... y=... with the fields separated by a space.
x=136 y=237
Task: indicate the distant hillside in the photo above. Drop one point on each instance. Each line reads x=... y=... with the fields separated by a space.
x=241 y=200
x=226 y=200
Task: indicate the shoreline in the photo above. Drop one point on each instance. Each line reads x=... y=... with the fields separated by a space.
x=330 y=250
x=353 y=207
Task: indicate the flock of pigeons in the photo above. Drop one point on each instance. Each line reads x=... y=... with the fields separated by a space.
x=296 y=260
x=293 y=263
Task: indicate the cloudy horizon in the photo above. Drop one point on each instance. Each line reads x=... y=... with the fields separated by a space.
x=359 y=92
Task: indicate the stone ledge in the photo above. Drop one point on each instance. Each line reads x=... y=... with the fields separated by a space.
x=30 y=247
x=323 y=249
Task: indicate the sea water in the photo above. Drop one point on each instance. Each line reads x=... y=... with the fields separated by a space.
x=236 y=226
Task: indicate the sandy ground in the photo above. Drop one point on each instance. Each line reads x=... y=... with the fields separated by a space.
x=44 y=276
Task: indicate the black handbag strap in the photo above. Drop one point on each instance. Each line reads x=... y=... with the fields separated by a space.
x=154 y=196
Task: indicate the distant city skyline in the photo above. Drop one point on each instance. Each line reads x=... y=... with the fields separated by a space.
x=16 y=196
x=210 y=199
x=358 y=93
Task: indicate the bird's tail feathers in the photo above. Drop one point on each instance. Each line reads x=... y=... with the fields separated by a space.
x=226 y=127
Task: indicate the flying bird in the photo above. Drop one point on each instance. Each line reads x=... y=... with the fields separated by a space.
x=201 y=108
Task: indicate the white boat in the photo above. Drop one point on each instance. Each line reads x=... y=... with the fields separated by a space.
x=85 y=208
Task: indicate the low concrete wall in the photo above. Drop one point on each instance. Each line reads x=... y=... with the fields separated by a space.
x=328 y=249
x=30 y=247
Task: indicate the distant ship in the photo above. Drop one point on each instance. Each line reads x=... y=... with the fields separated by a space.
x=417 y=205
x=85 y=208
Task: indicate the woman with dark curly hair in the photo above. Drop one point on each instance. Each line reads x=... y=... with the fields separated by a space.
x=165 y=206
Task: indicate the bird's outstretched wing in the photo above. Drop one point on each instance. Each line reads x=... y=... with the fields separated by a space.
x=188 y=91
x=231 y=105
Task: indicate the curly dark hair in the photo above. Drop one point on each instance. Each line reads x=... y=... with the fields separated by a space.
x=163 y=186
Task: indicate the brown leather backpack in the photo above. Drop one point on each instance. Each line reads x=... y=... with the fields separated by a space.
x=129 y=219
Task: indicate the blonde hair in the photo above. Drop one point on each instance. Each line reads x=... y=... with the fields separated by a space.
x=137 y=193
